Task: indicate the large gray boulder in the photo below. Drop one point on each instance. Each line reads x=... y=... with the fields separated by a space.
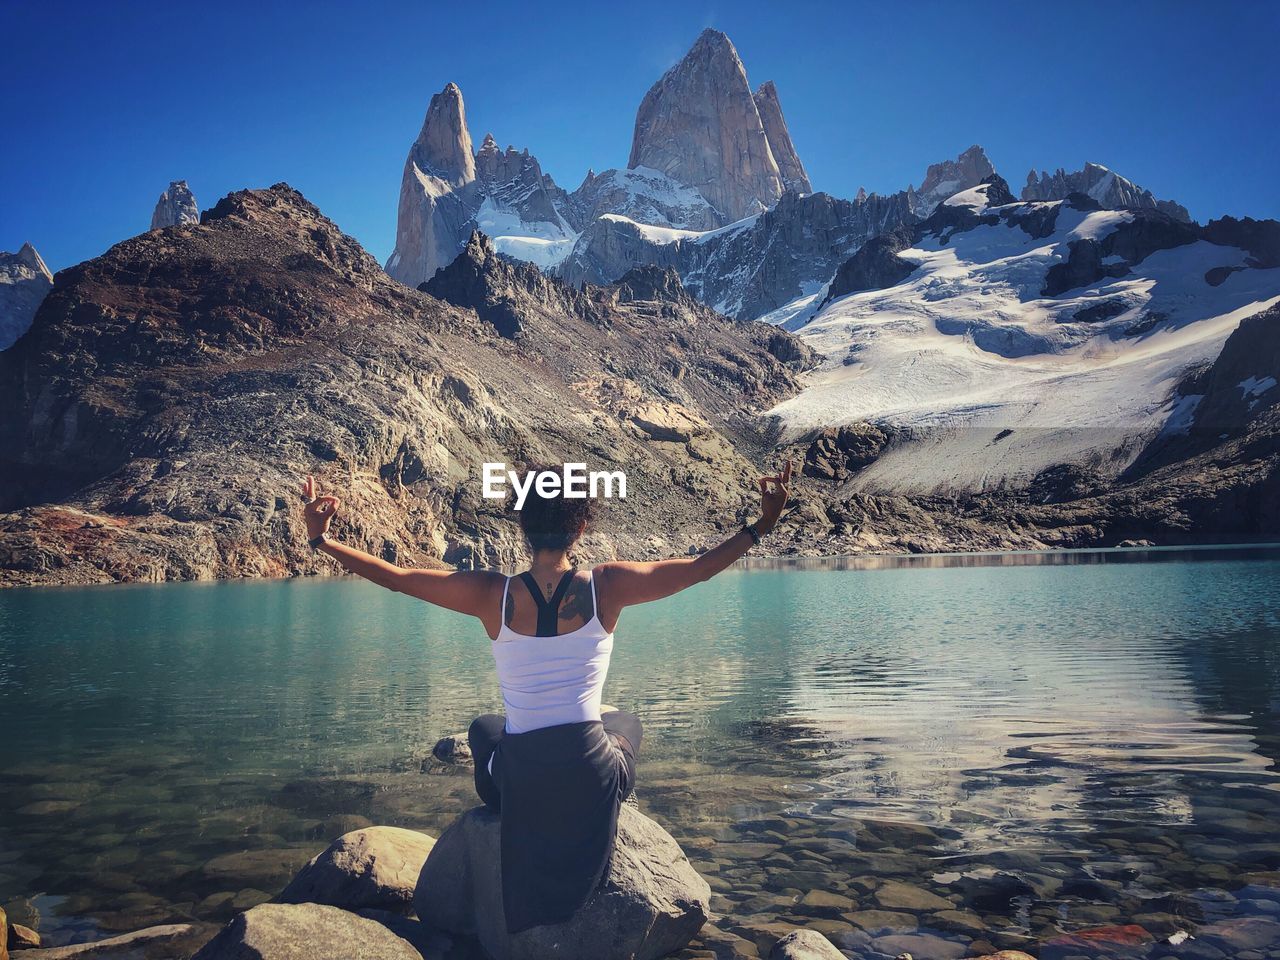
x=374 y=868
x=304 y=931
x=654 y=902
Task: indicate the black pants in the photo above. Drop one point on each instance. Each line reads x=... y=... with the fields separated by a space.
x=487 y=730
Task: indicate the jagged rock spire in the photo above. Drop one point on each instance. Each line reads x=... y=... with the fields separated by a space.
x=24 y=281
x=177 y=206
x=784 y=152
x=28 y=255
x=1107 y=187
x=949 y=177
x=443 y=147
x=700 y=126
x=436 y=192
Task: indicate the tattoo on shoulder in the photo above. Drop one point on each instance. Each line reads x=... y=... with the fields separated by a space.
x=577 y=601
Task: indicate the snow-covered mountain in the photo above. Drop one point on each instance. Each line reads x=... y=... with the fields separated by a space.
x=1109 y=189
x=715 y=189
x=949 y=177
x=1000 y=339
x=706 y=152
x=24 y=282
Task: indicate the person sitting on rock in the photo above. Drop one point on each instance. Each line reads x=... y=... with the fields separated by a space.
x=560 y=762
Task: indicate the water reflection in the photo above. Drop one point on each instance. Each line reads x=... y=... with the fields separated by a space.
x=1048 y=742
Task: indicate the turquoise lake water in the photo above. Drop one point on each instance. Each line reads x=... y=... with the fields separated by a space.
x=1050 y=744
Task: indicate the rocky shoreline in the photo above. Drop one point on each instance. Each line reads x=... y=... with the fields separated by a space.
x=873 y=889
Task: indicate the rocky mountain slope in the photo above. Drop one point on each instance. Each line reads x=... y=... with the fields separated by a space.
x=156 y=420
x=170 y=393
x=176 y=207
x=24 y=283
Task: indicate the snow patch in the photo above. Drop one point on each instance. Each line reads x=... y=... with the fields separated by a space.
x=1183 y=415
x=973 y=197
x=544 y=254
x=1256 y=386
x=794 y=315
x=495 y=221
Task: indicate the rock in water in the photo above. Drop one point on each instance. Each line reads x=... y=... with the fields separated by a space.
x=304 y=931
x=653 y=903
x=176 y=207
x=452 y=749
x=22 y=938
x=168 y=940
x=24 y=282
x=804 y=945
x=374 y=868
x=700 y=126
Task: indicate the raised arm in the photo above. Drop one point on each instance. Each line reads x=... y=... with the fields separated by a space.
x=624 y=584
x=464 y=591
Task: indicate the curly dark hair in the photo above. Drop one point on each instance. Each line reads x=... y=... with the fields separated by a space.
x=556 y=522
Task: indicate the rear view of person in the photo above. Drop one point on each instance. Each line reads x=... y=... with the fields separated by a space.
x=559 y=763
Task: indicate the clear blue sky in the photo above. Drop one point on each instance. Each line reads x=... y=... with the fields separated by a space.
x=105 y=103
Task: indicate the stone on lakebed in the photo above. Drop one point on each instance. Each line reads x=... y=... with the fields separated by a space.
x=373 y=868
x=653 y=904
x=22 y=938
x=804 y=945
x=452 y=749
x=167 y=940
x=305 y=931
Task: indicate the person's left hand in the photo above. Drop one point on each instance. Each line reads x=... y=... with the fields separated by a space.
x=319 y=511
x=773 y=497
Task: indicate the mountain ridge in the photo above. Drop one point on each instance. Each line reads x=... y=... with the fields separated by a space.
x=155 y=421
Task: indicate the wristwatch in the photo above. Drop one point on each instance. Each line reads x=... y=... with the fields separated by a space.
x=317 y=542
x=753 y=533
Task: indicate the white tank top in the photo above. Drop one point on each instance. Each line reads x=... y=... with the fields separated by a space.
x=547 y=681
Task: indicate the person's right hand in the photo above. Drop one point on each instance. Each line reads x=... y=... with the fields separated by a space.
x=773 y=497
x=319 y=511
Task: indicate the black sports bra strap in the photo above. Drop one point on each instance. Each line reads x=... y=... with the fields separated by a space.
x=548 y=610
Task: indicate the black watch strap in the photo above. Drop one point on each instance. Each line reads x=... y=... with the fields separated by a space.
x=753 y=533
x=316 y=542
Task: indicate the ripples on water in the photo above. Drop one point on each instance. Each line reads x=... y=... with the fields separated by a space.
x=1051 y=719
